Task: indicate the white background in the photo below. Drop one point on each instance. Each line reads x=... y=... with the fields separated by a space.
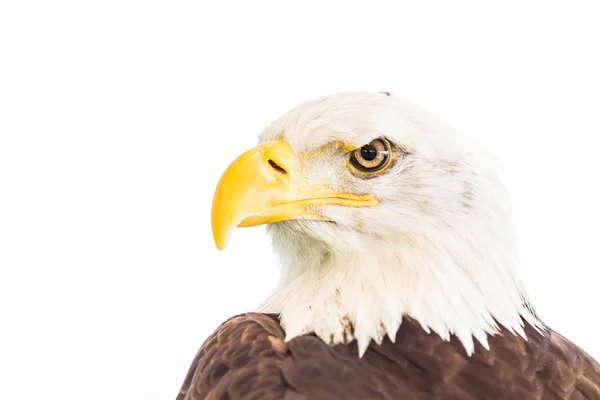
x=117 y=118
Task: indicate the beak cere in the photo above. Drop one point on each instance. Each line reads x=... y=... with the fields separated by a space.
x=261 y=186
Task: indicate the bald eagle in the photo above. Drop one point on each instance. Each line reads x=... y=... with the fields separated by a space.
x=399 y=270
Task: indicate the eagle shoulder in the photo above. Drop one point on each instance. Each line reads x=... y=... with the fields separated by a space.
x=247 y=358
x=240 y=360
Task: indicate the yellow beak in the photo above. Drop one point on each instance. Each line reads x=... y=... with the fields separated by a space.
x=259 y=187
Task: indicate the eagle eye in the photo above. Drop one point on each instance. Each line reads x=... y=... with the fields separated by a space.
x=372 y=157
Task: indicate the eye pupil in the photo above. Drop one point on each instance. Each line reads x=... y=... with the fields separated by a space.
x=368 y=152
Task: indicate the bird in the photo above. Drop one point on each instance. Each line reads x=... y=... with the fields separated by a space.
x=399 y=269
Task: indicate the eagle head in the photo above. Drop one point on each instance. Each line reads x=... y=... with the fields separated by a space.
x=378 y=211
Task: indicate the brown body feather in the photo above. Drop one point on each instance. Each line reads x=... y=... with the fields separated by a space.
x=247 y=358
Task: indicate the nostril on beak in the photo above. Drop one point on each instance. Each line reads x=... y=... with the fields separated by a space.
x=277 y=168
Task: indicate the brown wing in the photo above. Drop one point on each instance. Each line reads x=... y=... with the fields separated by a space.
x=241 y=360
x=246 y=358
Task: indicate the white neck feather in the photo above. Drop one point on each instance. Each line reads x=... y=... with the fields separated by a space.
x=362 y=290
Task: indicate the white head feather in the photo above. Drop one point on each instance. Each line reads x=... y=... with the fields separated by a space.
x=439 y=247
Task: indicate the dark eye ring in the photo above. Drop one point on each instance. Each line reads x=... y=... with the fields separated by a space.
x=372 y=157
